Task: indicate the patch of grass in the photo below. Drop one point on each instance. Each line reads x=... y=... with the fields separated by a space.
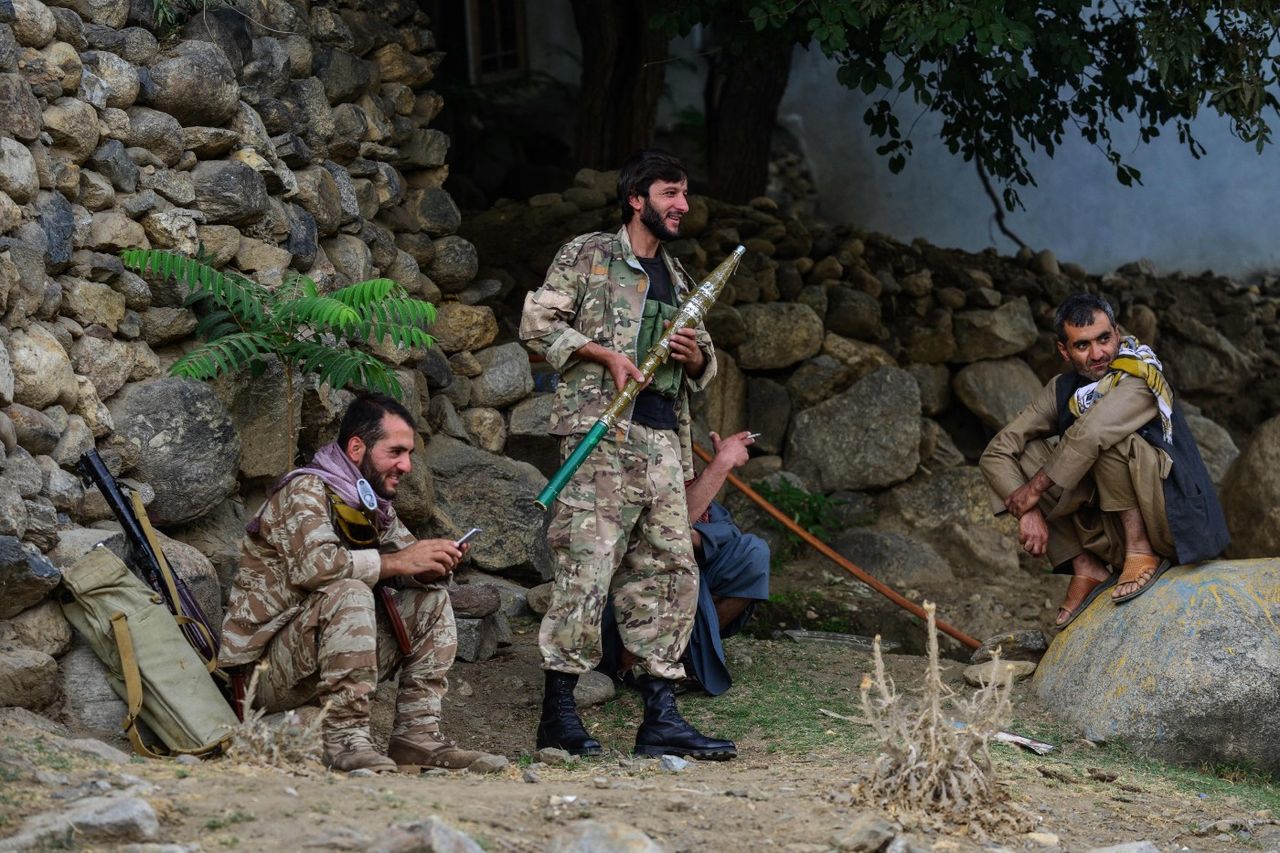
x=49 y=756
x=813 y=511
x=774 y=699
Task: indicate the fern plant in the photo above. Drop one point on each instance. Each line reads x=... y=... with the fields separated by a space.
x=244 y=324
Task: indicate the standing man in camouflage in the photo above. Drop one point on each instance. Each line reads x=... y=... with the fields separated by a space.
x=621 y=528
x=303 y=600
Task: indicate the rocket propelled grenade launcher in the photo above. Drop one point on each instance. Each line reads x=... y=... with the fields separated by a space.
x=691 y=313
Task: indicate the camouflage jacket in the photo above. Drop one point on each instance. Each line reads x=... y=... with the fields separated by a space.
x=595 y=291
x=295 y=552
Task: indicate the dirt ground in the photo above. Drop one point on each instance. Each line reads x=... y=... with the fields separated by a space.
x=788 y=790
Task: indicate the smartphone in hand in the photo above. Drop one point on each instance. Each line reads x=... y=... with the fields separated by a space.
x=468 y=536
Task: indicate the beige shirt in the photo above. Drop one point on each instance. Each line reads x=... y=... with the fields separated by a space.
x=295 y=552
x=1122 y=411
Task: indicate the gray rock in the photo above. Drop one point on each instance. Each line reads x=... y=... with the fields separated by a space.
x=1002 y=672
x=866 y=833
x=192 y=451
x=33 y=24
x=1012 y=645
x=454 y=263
x=1127 y=847
x=596 y=836
x=996 y=391
x=429 y=209
x=195 y=84
x=229 y=191
x=345 y=77
x=539 y=598
x=478 y=638
x=867 y=437
x=33 y=429
x=73 y=125
x=319 y=196
x=432 y=834
x=1004 y=331
x=488 y=764
x=119 y=75
x=593 y=688
x=311 y=108
x=110 y=160
x=18 y=177
x=177 y=187
x=506 y=377
x=217 y=536
x=91 y=821
x=816 y=380
x=951 y=511
x=135 y=44
x=935 y=387
x=158 y=132
x=41 y=628
x=1209 y=656
x=25 y=578
x=19 y=107
x=28 y=678
x=463 y=327
x=853 y=314
x=227 y=29
x=350 y=257
x=778 y=335
x=22 y=473
x=512 y=524
x=76 y=440
x=92 y=707
x=552 y=756
x=1216 y=446
x=1251 y=495
x=894 y=558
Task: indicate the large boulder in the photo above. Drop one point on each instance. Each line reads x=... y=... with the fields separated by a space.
x=1186 y=673
x=867 y=437
x=950 y=510
x=1217 y=448
x=42 y=371
x=779 y=334
x=996 y=391
x=229 y=191
x=195 y=84
x=1251 y=495
x=505 y=379
x=188 y=449
x=1003 y=331
x=259 y=411
x=478 y=489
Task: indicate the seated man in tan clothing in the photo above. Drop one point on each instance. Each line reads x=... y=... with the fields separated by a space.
x=1101 y=469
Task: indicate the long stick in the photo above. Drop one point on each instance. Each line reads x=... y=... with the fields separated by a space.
x=825 y=550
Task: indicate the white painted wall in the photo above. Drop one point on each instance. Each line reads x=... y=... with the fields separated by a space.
x=1221 y=212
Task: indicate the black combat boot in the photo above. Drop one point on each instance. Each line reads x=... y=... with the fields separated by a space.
x=665 y=732
x=560 y=725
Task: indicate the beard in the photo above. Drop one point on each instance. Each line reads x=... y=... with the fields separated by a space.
x=376 y=480
x=656 y=224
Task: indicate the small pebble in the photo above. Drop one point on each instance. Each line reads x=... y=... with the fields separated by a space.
x=601 y=782
x=293 y=792
x=1044 y=839
x=674 y=763
x=531 y=776
x=552 y=756
x=188 y=760
x=488 y=764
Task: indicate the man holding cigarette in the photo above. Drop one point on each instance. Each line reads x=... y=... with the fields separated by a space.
x=303 y=600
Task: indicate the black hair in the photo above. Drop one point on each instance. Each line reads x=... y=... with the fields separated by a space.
x=1078 y=310
x=364 y=416
x=641 y=170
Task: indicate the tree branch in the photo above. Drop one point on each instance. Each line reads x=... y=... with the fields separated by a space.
x=995 y=204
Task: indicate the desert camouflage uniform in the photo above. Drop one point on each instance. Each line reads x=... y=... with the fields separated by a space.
x=621 y=525
x=304 y=602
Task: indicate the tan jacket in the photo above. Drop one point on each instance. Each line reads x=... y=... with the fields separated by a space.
x=595 y=291
x=1123 y=411
x=295 y=552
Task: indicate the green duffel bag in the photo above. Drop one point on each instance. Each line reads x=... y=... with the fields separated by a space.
x=149 y=663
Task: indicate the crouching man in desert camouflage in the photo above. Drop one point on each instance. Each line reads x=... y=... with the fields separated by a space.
x=304 y=600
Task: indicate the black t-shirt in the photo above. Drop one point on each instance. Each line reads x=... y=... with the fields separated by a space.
x=652 y=409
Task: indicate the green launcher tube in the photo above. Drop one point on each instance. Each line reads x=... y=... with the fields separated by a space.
x=572 y=464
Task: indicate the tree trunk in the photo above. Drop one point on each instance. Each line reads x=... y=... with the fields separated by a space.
x=743 y=90
x=623 y=71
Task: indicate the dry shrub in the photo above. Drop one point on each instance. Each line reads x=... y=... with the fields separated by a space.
x=934 y=768
x=289 y=744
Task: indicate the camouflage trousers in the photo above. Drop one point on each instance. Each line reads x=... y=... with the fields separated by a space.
x=621 y=529
x=339 y=646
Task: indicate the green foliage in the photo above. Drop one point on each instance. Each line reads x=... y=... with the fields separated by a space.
x=243 y=324
x=813 y=511
x=1008 y=78
x=171 y=14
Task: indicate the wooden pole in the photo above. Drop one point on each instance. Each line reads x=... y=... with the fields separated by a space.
x=827 y=551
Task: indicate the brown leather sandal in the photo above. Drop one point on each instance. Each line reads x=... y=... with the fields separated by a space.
x=1142 y=569
x=1087 y=589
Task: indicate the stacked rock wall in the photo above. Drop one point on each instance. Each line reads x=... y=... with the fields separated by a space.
x=278 y=136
